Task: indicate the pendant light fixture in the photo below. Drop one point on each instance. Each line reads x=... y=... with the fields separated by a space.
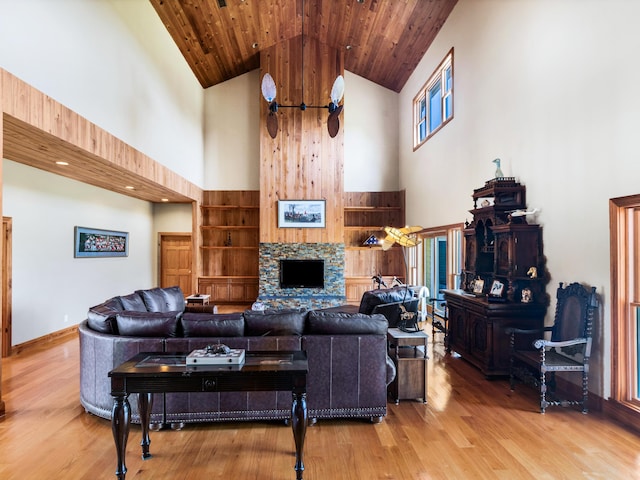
x=269 y=93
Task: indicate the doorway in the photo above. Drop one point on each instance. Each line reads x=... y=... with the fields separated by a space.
x=176 y=255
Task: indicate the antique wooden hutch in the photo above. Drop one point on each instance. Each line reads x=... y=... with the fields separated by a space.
x=503 y=282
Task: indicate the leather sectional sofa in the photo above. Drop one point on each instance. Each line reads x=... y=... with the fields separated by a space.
x=349 y=369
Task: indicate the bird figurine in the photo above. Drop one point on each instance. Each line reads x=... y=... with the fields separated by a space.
x=498 y=173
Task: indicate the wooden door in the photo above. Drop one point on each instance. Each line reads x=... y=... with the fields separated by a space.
x=176 y=261
x=6 y=286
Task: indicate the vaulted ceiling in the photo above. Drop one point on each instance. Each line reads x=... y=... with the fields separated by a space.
x=383 y=40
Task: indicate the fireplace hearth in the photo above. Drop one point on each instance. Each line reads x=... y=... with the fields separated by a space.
x=296 y=295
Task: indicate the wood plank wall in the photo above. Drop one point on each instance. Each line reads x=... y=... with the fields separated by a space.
x=303 y=162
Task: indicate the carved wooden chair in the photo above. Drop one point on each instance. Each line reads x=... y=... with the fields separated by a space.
x=567 y=350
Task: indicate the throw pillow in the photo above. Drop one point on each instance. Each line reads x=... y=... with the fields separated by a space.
x=212 y=325
x=133 y=302
x=274 y=322
x=148 y=324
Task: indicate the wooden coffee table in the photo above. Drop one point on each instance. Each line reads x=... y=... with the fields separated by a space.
x=149 y=373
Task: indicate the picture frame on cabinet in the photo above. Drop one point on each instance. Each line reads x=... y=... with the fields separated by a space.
x=496 y=289
x=478 y=286
x=94 y=242
x=301 y=214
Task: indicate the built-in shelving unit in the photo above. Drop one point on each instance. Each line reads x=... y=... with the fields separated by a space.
x=366 y=214
x=229 y=247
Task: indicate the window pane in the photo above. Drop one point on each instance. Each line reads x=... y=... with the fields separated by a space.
x=422 y=109
x=447 y=107
x=442 y=264
x=435 y=106
x=447 y=80
x=422 y=132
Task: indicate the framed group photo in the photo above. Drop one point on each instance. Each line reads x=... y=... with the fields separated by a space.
x=301 y=214
x=93 y=242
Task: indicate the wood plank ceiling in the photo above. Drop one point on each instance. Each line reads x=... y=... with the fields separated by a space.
x=383 y=39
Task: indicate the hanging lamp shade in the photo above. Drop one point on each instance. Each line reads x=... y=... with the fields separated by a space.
x=268 y=88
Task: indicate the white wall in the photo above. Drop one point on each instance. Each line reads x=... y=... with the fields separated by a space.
x=232 y=136
x=232 y=140
x=550 y=88
x=114 y=63
x=53 y=290
x=370 y=120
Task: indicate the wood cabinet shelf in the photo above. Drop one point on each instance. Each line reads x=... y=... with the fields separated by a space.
x=230 y=207
x=229 y=247
x=367 y=208
x=216 y=247
x=229 y=227
x=498 y=248
x=365 y=214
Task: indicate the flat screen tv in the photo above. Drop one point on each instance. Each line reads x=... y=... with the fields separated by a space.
x=301 y=273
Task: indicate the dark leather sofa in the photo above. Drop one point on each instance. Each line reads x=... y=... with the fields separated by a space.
x=389 y=302
x=349 y=369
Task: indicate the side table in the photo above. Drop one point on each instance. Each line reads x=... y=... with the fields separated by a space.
x=409 y=353
x=201 y=299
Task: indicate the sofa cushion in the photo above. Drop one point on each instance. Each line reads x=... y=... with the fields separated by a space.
x=163 y=299
x=133 y=303
x=102 y=318
x=373 y=298
x=336 y=323
x=212 y=325
x=148 y=324
x=274 y=322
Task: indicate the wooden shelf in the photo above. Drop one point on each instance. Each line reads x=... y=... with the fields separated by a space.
x=367 y=213
x=225 y=247
x=231 y=207
x=229 y=227
x=230 y=245
x=368 y=208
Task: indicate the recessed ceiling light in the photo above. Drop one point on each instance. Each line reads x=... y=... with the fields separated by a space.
x=60 y=162
x=165 y=199
x=129 y=187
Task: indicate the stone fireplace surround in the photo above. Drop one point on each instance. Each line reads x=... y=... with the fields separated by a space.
x=272 y=296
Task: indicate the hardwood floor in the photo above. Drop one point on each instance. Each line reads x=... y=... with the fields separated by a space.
x=471 y=428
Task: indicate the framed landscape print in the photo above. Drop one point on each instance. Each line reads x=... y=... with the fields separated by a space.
x=92 y=242
x=301 y=214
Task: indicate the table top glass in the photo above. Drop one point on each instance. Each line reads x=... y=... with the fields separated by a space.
x=175 y=363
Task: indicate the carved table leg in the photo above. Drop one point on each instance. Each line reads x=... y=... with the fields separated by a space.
x=120 y=419
x=299 y=425
x=145 y=403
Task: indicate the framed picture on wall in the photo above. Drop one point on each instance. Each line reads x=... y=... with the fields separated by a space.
x=93 y=242
x=301 y=214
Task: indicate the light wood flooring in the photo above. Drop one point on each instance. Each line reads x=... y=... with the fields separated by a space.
x=471 y=428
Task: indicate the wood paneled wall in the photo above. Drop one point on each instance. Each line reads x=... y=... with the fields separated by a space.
x=303 y=162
